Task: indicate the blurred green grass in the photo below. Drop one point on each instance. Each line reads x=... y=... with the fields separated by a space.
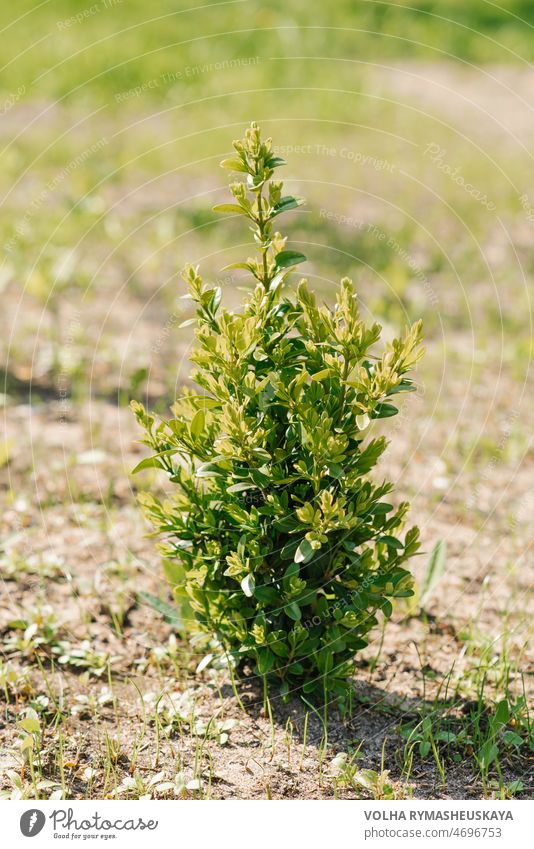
x=116 y=114
x=79 y=48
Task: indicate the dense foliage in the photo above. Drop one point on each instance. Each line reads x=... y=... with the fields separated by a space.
x=283 y=544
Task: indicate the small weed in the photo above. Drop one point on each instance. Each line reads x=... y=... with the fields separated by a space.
x=374 y=784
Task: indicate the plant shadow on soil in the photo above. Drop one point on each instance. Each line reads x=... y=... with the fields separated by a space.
x=382 y=731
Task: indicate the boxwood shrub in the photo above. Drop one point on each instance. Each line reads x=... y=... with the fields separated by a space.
x=277 y=537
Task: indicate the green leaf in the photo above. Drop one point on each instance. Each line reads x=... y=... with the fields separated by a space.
x=424 y=748
x=304 y=552
x=169 y=613
x=241 y=487
x=502 y=713
x=446 y=736
x=228 y=207
x=391 y=542
x=321 y=375
x=259 y=478
x=386 y=608
x=30 y=725
x=275 y=162
x=285 y=259
x=246 y=266
x=384 y=411
x=293 y=611
x=279 y=648
x=152 y=462
x=510 y=738
x=292 y=571
x=204 y=402
x=381 y=508
x=147 y=463
x=267 y=595
x=488 y=753
x=289 y=549
x=17 y=624
x=403 y=386
x=285 y=204
x=248 y=585
x=198 y=422
x=209 y=470
x=234 y=165
x=265 y=661
x=434 y=570
x=174 y=572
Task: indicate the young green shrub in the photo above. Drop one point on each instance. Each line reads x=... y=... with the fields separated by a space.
x=281 y=541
